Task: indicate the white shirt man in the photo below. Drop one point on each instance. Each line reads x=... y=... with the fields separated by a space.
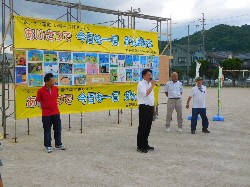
x=173 y=91
x=143 y=86
x=198 y=94
x=146 y=110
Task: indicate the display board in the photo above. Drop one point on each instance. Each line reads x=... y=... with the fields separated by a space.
x=71 y=68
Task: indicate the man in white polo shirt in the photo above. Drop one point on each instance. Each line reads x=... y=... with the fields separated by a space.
x=173 y=91
x=146 y=103
x=199 y=106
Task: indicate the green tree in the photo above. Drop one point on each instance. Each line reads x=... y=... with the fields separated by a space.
x=191 y=72
x=232 y=65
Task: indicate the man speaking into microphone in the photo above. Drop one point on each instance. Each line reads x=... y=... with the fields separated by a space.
x=146 y=102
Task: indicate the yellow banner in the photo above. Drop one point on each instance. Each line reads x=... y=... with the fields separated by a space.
x=77 y=99
x=32 y=33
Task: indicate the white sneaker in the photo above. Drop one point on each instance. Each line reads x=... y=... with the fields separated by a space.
x=61 y=147
x=49 y=149
x=179 y=129
x=168 y=129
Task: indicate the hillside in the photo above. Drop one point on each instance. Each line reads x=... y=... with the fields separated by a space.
x=222 y=38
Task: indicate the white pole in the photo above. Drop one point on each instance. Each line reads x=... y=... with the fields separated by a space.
x=198 y=65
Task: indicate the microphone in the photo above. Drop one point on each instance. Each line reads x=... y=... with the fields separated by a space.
x=155 y=83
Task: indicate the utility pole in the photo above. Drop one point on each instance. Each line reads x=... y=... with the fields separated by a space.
x=203 y=30
x=3 y=69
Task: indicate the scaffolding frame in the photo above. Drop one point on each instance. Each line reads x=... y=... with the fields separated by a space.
x=131 y=15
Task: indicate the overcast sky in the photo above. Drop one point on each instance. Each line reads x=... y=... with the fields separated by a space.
x=182 y=12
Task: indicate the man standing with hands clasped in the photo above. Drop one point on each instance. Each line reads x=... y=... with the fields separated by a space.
x=173 y=91
x=145 y=91
x=47 y=101
x=199 y=106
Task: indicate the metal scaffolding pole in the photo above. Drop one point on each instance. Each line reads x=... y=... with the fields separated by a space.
x=160 y=33
x=2 y=70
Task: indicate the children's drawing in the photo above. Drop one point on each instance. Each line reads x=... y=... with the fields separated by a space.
x=79 y=58
x=79 y=68
x=121 y=60
x=113 y=61
x=156 y=62
x=136 y=75
x=65 y=80
x=156 y=74
x=35 y=68
x=103 y=68
x=65 y=68
x=35 y=55
x=91 y=57
x=113 y=75
x=51 y=68
x=129 y=75
x=20 y=57
x=143 y=62
x=103 y=63
x=35 y=80
x=50 y=56
x=64 y=56
x=150 y=61
x=129 y=61
x=121 y=74
x=92 y=68
x=20 y=74
x=104 y=58
x=136 y=61
x=79 y=79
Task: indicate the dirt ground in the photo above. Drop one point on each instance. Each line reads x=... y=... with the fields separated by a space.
x=105 y=153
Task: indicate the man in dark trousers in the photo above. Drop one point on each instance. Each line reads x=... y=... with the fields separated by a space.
x=47 y=101
x=199 y=106
x=145 y=91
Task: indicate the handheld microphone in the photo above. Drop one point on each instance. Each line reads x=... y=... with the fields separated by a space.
x=155 y=83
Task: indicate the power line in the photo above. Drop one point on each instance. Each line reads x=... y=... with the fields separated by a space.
x=215 y=20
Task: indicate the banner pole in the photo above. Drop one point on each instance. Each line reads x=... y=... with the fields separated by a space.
x=69 y=123
x=131 y=116
x=28 y=122
x=118 y=116
x=218 y=117
x=81 y=123
x=219 y=82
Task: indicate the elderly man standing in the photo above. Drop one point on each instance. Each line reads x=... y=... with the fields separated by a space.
x=174 y=91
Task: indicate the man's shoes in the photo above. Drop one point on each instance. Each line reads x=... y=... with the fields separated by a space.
x=192 y=131
x=60 y=147
x=205 y=130
x=149 y=148
x=142 y=150
x=179 y=129
x=168 y=129
x=49 y=149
